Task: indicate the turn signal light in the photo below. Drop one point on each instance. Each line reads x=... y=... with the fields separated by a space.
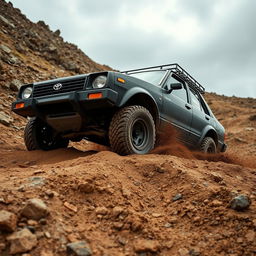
x=121 y=80
x=97 y=95
x=20 y=105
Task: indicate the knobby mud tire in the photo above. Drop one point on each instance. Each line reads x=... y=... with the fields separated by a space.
x=122 y=131
x=208 y=146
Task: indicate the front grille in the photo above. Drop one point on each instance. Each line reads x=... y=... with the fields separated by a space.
x=67 y=86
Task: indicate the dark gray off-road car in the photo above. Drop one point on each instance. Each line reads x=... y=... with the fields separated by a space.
x=126 y=110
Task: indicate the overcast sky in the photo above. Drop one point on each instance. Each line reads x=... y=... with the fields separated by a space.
x=214 y=40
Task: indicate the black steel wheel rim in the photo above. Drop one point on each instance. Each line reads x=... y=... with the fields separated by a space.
x=45 y=135
x=139 y=134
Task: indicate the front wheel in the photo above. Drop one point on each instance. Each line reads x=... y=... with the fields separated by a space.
x=132 y=131
x=208 y=146
x=39 y=135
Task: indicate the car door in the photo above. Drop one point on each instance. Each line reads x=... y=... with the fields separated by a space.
x=176 y=108
x=201 y=117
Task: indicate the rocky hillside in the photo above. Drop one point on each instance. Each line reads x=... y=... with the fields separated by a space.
x=32 y=52
x=86 y=200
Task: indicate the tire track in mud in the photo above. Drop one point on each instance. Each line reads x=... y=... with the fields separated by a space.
x=168 y=144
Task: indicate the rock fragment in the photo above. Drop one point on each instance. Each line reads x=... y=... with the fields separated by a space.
x=5 y=49
x=216 y=203
x=8 y=221
x=5 y=119
x=126 y=193
x=143 y=245
x=22 y=241
x=50 y=193
x=177 y=197
x=183 y=252
x=216 y=177
x=86 y=187
x=32 y=222
x=252 y=118
x=7 y=22
x=117 y=210
x=240 y=203
x=80 y=248
x=250 y=236
x=101 y=210
x=70 y=207
x=71 y=66
x=35 y=209
x=15 y=85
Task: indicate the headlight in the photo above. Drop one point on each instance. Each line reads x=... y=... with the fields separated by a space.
x=26 y=93
x=99 y=82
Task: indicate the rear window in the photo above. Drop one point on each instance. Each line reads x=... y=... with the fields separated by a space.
x=153 y=77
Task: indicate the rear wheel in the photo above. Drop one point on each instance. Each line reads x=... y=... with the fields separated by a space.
x=39 y=135
x=132 y=131
x=208 y=146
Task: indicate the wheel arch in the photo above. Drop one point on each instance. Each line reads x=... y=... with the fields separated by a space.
x=139 y=96
x=209 y=132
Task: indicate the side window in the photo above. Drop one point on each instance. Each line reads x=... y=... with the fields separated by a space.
x=198 y=102
x=180 y=93
x=195 y=100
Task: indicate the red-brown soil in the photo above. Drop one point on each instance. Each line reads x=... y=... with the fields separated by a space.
x=95 y=180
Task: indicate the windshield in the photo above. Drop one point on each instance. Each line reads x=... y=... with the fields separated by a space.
x=153 y=77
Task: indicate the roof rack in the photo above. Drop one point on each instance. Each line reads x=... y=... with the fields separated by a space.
x=177 y=70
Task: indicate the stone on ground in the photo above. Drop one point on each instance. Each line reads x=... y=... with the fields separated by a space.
x=240 y=203
x=8 y=221
x=80 y=248
x=143 y=245
x=22 y=241
x=35 y=209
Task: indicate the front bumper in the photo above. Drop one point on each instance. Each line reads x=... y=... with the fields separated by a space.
x=78 y=102
x=69 y=112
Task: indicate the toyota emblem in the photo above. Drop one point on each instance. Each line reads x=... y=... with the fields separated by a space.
x=57 y=86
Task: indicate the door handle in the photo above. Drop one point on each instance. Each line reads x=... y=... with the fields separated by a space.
x=207 y=118
x=187 y=106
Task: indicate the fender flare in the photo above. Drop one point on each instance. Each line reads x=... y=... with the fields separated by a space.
x=136 y=91
x=209 y=128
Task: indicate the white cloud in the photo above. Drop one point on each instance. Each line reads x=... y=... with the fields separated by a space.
x=213 y=40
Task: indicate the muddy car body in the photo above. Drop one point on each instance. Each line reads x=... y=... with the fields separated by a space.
x=126 y=110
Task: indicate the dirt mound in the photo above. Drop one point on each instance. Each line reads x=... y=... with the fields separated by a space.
x=170 y=202
x=113 y=202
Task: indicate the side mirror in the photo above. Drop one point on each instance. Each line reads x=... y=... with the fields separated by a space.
x=176 y=86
